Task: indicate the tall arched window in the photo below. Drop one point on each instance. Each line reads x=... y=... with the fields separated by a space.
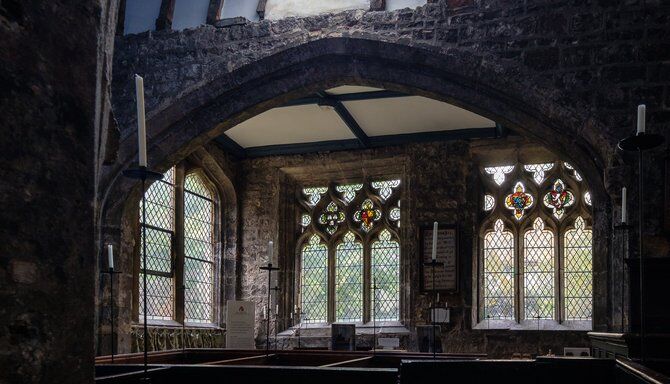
x=182 y=256
x=314 y=280
x=199 y=250
x=354 y=225
x=538 y=242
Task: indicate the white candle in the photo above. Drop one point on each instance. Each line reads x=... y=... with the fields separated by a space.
x=141 y=124
x=270 y=252
x=624 y=213
x=641 y=112
x=295 y=308
x=434 y=254
x=265 y=314
x=110 y=256
x=276 y=309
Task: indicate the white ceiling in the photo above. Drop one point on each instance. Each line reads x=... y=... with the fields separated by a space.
x=378 y=117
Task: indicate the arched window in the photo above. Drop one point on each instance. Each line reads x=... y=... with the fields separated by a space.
x=499 y=273
x=349 y=279
x=199 y=250
x=314 y=281
x=539 y=242
x=386 y=277
x=578 y=272
x=354 y=225
x=182 y=283
x=159 y=227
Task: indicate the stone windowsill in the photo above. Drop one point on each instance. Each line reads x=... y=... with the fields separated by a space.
x=532 y=325
x=176 y=324
x=381 y=328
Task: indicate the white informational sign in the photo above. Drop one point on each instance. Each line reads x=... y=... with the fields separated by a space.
x=240 y=324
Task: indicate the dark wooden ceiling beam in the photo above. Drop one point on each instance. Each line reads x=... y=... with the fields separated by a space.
x=372 y=95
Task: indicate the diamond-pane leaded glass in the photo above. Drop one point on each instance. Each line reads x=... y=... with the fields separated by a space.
x=348 y=191
x=159 y=298
x=159 y=229
x=199 y=258
x=578 y=272
x=385 y=188
x=538 y=170
x=386 y=275
x=538 y=272
x=499 y=172
x=314 y=194
x=314 y=281
x=499 y=273
x=305 y=220
x=349 y=279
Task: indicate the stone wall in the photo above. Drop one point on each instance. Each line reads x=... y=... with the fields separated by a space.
x=440 y=182
x=51 y=101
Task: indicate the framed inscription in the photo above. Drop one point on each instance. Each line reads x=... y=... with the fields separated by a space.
x=446 y=275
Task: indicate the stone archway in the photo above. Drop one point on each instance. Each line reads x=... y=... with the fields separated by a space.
x=480 y=83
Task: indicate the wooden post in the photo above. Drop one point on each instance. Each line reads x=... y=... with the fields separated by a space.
x=165 y=16
x=214 y=11
x=260 y=10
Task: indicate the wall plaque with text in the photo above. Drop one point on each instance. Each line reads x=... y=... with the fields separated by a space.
x=446 y=275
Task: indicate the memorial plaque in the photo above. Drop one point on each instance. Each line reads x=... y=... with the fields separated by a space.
x=446 y=275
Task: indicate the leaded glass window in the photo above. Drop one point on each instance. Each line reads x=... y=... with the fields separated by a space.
x=499 y=273
x=159 y=227
x=314 y=281
x=346 y=243
x=539 y=227
x=538 y=272
x=578 y=272
x=349 y=279
x=198 y=259
x=386 y=278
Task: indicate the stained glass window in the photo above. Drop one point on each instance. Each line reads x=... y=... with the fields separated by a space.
x=314 y=281
x=538 y=272
x=558 y=198
x=499 y=273
x=499 y=173
x=159 y=227
x=331 y=218
x=314 y=194
x=349 y=279
x=537 y=253
x=386 y=278
x=367 y=215
x=199 y=255
x=578 y=272
x=360 y=222
x=385 y=188
x=519 y=200
x=538 y=171
x=348 y=191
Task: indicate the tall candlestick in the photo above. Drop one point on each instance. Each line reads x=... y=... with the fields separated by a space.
x=276 y=309
x=110 y=256
x=641 y=114
x=434 y=254
x=141 y=124
x=624 y=213
x=270 y=252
